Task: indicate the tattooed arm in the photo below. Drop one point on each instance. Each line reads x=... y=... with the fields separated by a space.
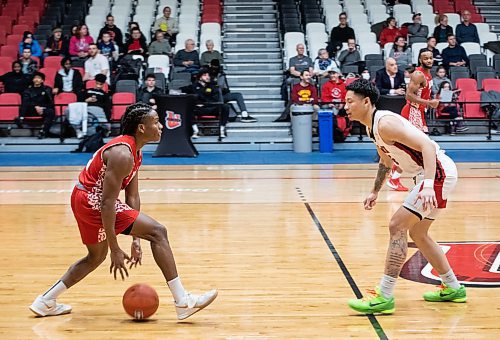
x=384 y=167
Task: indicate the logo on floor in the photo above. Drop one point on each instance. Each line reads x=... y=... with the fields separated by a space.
x=476 y=264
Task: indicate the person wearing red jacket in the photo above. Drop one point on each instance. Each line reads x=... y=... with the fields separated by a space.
x=389 y=33
x=333 y=91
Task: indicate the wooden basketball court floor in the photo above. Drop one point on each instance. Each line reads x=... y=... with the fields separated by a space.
x=286 y=245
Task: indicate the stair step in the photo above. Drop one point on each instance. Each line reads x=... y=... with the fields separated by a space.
x=257 y=57
x=250 y=35
x=252 y=67
x=266 y=111
x=253 y=45
x=250 y=26
x=254 y=78
x=255 y=38
x=260 y=125
x=240 y=3
x=244 y=72
x=275 y=133
x=253 y=104
x=249 y=10
x=263 y=97
x=258 y=62
x=232 y=49
x=266 y=117
x=260 y=84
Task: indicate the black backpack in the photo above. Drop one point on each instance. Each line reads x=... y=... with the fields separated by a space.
x=93 y=142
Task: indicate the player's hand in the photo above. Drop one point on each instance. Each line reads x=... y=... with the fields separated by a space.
x=370 y=201
x=118 y=258
x=433 y=103
x=135 y=254
x=428 y=197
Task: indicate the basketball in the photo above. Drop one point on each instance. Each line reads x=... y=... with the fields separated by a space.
x=140 y=301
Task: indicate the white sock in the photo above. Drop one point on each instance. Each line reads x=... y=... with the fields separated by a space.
x=176 y=288
x=57 y=289
x=195 y=128
x=395 y=175
x=387 y=285
x=450 y=280
x=244 y=114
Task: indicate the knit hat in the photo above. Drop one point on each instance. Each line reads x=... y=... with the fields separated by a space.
x=57 y=29
x=27 y=34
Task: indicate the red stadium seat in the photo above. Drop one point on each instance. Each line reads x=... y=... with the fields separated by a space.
x=81 y=70
x=14 y=39
x=53 y=62
x=10 y=12
x=7 y=61
x=90 y=84
x=6 y=24
x=9 y=51
x=27 y=20
x=491 y=84
x=9 y=106
x=472 y=106
x=20 y=29
x=50 y=75
x=466 y=84
x=62 y=100
x=120 y=102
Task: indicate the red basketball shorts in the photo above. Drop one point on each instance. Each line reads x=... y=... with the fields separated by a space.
x=87 y=211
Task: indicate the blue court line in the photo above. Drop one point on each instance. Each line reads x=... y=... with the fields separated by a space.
x=235 y=158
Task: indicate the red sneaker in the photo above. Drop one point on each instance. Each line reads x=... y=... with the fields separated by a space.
x=395 y=184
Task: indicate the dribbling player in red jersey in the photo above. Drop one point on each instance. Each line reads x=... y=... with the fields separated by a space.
x=101 y=216
x=419 y=97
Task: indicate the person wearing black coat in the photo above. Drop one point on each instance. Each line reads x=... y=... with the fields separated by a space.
x=15 y=81
x=68 y=79
x=383 y=81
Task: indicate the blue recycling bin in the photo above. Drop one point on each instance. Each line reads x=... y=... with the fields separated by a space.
x=325 y=119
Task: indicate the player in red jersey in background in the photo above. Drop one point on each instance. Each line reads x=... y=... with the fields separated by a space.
x=418 y=96
x=101 y=216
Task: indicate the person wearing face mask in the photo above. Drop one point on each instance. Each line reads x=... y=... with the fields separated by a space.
x=15 y=81
x=365 y=74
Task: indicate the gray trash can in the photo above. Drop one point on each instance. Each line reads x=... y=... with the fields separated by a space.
x=302 y=127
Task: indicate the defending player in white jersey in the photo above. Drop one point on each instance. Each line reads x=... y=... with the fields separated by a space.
x=401 y=143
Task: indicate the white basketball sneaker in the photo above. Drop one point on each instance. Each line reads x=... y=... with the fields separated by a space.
x=192 y=303
x=47 y=307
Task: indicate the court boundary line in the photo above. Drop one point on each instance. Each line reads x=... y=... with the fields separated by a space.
x=354 y=287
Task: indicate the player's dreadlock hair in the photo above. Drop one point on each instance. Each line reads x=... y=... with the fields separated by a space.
x=133 y=117
x=365 y=88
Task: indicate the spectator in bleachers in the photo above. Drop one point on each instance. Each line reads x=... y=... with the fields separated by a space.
x=323 y=64
x=36 y=101
x=466 y=31
x=210 y=54
x=351 y=55
x=390 y=80
x=114 y=32
x=107 y=48
x=304 y=92
x=167 y=25
x=431 y=46
x=340 y=34
x=79 y=43
x=207 y=93
x=188 y=58
x=136 y=44
x=15 y=81
x=450 y=109
x=442 y=30
x=300 y=62
x=149 y=90
x=454 y=54
x=57 y=44
x=439 y=78
x=98 y=101
x=160 y=45
x=401 y=52
x=29 y=65
x=96 y=64
x=333 y=92
x=416 y=31
x=30 y=42
x=68 y=79
x=220 y=80
x=390 y=32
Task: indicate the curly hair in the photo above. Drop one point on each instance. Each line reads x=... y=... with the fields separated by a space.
x=365 y=88
x=133 y=116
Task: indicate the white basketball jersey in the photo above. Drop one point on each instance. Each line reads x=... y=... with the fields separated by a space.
x=409 y=160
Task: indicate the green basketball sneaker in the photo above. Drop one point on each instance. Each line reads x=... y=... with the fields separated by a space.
x=446 y=293
x=375 y=303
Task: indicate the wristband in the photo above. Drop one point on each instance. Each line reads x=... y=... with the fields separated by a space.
x=429 y=183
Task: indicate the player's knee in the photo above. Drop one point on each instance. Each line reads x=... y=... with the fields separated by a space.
x=159 y=233
x=395 y=225
x=96 y=259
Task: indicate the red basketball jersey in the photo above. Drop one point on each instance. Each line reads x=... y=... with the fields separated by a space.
x=424 y=92
x=92 y=175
